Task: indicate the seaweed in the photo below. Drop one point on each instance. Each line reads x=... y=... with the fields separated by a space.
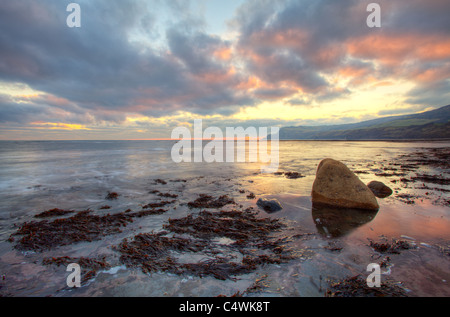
x=144 y=213
x=258 y=285
x=433 y=179
x=206 y=201
x=219 y=268
x=112 y=196
x=293 y=175
x=290 y=175
x=83 y=226
x=236 y=294
x=445 y=250
x=150 y=251
x=394 y=247
x=178 y=180
x=407 y=198
x=356 y=286
x=53 y=212
x=238 y=225
x=249 y=235
x=156 y=251
x=160 y=181
x=390 y=174
x=89 y=267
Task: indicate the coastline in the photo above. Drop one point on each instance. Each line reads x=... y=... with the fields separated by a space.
x=315 y=258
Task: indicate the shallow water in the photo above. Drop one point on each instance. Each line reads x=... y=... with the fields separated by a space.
x=77 y=175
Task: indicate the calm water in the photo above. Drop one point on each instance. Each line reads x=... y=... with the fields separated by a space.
x=38 y=176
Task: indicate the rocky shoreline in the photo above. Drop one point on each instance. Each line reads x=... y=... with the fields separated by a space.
x=425 y=171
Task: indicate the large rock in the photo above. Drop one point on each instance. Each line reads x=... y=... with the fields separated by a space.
x=336 y=186
x=379 y=189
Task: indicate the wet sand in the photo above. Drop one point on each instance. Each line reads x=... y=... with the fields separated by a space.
x=303 y=251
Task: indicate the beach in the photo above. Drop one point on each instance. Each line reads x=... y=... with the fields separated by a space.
x=141 y=225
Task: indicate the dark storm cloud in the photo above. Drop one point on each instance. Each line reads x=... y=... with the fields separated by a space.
x=427 y=16
x=294 y=41
x=86 y=65
x=99 y=69
x=297 y=43
x=285 y=50
x=435 y=95
x=19 y=113
x=194 y=49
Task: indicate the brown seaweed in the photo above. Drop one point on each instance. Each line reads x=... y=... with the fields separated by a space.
x=293 y=175
x=42 y=235
x=206 y=201
x=356 y=286
x=394 y=247
x=53 y=212
x=219 y=268
x=82 y=227
x=231 y=224
x=148 y=212
x=155 y=252
x=89 y=267
x=112 y=196
x=151 y=251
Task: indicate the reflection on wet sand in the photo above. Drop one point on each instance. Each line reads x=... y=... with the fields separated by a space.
x=334 y=222
x=328 y=244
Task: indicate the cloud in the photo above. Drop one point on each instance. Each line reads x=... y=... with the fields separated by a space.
x=306 y=44
x=99 y=70
x=437 y=94
x=157 y=59
x=12 y=111
x=402 y=110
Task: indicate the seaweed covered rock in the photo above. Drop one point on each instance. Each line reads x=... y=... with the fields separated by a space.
x=336 y=186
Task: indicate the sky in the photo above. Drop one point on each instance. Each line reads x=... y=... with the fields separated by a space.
x=137 y=69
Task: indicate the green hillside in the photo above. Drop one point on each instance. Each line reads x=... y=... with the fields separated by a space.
x=434 y=124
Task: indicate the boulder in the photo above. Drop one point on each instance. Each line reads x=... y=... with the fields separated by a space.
x=336 y=186
x=379 y=189
x=269 y=205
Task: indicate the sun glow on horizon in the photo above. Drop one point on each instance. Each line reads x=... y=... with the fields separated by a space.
x=58 y=126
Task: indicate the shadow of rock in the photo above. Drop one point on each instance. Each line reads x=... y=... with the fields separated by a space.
x=338 y=222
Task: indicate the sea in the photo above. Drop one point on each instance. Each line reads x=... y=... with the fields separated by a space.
x=36 y=176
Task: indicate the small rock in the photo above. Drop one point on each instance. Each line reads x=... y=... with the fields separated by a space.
x=269 y=205
x=379 y=189
x=112 y=196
